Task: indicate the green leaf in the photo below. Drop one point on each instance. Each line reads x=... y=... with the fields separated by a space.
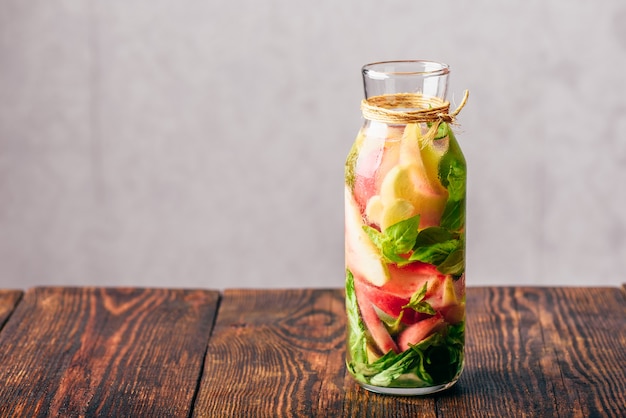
x=442 y=354
x=418 y=296
x=393 y=324
x=401 y=364
x=434 y=360
x=372 y=369
x=396 y=325
x=377 y=237
x=435 y=253
x=367 y=371
x=454 y=264
x=436 y=245
x=432 y=235
x=416 y=302
x=456 y=181
x=456 y=333
x=453 y=176
x=424 y=307
x=442 y=131
x=386 y=247
x=357 y=337
x=398 y=239
x=453 y=216
x=454 y=155
x=403 y=234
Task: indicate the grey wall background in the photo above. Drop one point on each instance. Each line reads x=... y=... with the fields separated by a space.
x=201 y=143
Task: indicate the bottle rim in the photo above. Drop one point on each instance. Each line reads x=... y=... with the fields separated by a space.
x=390 y=69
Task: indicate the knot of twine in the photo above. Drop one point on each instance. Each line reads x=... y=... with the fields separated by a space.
x=384 y=108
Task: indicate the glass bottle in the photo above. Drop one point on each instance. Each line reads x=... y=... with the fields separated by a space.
x=405 y=181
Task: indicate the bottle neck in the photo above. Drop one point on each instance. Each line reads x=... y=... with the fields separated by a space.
x=427 y=78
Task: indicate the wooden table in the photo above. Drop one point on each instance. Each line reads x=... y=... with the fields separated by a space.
x=536 y=352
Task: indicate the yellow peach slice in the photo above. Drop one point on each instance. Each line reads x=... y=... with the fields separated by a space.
x=426 y=155
x=408 y=183
x=399 y=210
x=374 y=210
x=449 y=292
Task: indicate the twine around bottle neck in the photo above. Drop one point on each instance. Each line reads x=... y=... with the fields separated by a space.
x=384 y=108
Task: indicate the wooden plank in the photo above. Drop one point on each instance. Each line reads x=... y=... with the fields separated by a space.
x=360 y=403
x=530 y=352
x=104 y=352
x=274 y=352
x=586 y=330
x=542 y=352
x=8 y=301
x=503 y=373
x=281 y=353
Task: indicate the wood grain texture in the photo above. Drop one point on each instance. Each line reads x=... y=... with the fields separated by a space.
x=274 y=353
x=104 y=352
x=531 y=352
x=542 y=352
x=586 y=330
x=8 y=301
x=504 y=368
x=281 y=353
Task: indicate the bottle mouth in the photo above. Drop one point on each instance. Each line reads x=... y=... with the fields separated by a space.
x=393 y=69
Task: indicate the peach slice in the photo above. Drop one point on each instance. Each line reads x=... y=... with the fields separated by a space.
x=363 y=258
x=399 y=210
x=418 y=331
x=391 y=297
x=407 y=182
x=374 y=325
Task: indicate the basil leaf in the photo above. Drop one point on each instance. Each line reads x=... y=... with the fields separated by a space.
x=435 y=245
x=403 y=234
x=369 y=370
x=434 y=360
x=436 y=253
x=442 y=131
x=456 y=181
x=444 y=355
x=357 y=339
x=454 y=155
x=402 y=364
x=454 y=264
x=432 y=235
x=397 y=239
x=377 y=237
x=456 y=333
x=453 y=176
x=417 y=304
x=453 y=217
x=386 y=247
x=393 y=324
x=418 y=296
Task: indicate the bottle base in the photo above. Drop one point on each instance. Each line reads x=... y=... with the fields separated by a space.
x=408 y=391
